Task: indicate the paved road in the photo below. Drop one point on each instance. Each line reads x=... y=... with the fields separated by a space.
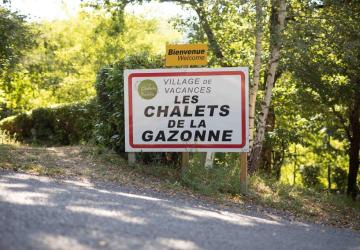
x=41 y=213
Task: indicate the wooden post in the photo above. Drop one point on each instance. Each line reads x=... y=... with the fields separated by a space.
x=243 y=173
x=185 y=160
x=131 y=158
x=202 y=158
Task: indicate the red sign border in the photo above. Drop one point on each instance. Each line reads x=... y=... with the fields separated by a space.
x=189 y=73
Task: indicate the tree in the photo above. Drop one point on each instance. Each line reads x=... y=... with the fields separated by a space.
x=62 y=67
x=16 y=36
x=210 y=17
x=257 y=67
x=277 y=24
x=324 y=54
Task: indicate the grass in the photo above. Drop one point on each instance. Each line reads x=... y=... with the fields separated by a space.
x=218 y=184
x=220 y=178
x=5 y=139
x=320 y=207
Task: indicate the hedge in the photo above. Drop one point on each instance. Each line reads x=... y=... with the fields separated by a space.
x=109 y=129
x=60 y=125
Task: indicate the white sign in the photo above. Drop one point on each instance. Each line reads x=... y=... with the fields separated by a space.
x=186 y=110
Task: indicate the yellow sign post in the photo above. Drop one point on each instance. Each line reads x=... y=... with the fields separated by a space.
x=186 y=54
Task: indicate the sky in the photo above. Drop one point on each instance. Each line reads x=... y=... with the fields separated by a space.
x=61 y=9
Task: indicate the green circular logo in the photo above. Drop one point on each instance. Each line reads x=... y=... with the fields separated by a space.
x=147 y=89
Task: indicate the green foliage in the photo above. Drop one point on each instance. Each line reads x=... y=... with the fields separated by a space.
x=323 y=55
x=16 y=36
x=60 y=125
x=310 y=176
x=62 y=67
x=109 y=129
x=231 y=21
x=339 y=176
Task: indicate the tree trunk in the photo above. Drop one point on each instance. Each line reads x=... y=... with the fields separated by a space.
x=277 y=26
x=354 y=149
x=257 y=67
x=266 y=156
x=353 y=167
x=209 y=33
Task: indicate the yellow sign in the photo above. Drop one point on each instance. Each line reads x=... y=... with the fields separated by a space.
x=186 y=54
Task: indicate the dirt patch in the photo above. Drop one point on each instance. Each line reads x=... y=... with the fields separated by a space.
x=74 y=162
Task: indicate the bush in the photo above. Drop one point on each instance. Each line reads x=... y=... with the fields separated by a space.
x=60 y=125
x=109 y=129
x=310 y=176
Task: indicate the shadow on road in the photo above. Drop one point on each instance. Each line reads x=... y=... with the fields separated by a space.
x=40 y=213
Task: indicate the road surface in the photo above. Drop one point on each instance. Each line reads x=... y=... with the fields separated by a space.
x=42 y=213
